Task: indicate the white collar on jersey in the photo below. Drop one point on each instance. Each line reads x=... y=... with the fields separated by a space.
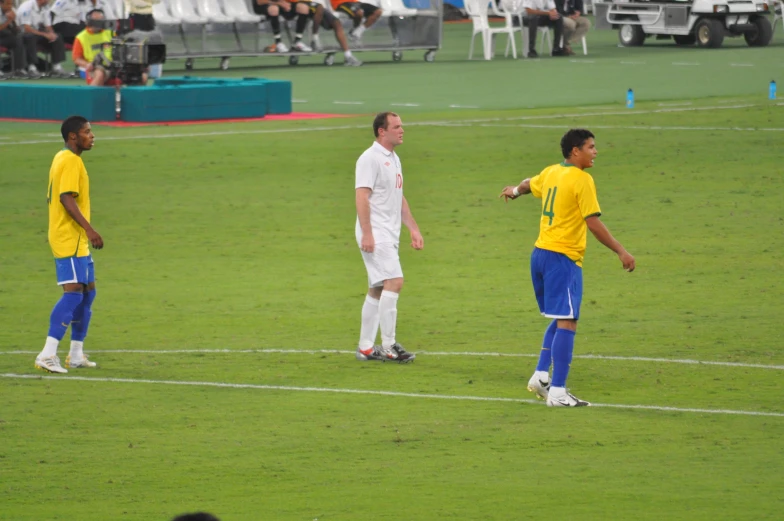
x=378 y=146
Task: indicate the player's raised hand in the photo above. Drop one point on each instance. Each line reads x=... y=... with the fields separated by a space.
x=95 y=239
x=627 y=260
x=417 y=242
x=508 y=193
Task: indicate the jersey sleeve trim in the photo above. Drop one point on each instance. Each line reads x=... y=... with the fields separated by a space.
x=594 y=214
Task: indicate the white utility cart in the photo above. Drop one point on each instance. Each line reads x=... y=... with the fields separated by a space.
x=704 y=22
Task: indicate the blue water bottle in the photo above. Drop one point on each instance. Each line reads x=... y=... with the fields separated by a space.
x=772 y=90
x=630 y=99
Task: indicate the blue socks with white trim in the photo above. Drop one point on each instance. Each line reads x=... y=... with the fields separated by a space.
x=563 y=347
x=63 y=313
x=546 y=355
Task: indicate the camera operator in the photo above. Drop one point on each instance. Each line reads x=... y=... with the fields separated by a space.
x=69 y=16
x=92 y=51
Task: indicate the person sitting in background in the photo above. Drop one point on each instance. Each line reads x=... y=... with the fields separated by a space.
x=36 y=21
x=273 y=10
x=357 y=11
x=11 y=39
x=575 y=25
x=544 y=13
x=140 y=14
x=324 y=18
x=69 y=16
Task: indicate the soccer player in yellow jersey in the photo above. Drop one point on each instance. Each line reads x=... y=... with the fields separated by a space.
x=569 y=206
x=70 y=235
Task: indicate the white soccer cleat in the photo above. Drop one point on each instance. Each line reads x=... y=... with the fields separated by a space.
x=372 y=353
x=301 y=47
x=281 y=47
x=564 y=398
x=78 y=362
x=350 y=61
x=540 y=387
x=50 y=364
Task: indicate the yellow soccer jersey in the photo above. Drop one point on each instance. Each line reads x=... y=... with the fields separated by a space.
x=68 y=174
x=568 y=197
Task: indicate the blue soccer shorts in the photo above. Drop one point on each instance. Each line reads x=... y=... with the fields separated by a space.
x=73 y=270
x=558 y=284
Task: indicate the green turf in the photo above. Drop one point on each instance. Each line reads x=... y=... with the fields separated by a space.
x=244 y=241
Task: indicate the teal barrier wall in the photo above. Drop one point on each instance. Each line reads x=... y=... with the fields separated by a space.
x=55 y=102
x=169 y=99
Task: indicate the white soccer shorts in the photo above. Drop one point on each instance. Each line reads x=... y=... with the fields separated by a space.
x=383 y=264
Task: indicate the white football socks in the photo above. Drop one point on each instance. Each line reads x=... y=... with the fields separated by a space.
x=76 y=350
x=369 y=330
x=359 y=30
x=50 y=347
x=387 y=312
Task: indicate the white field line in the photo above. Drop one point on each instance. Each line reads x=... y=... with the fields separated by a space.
x=348 y=102
x=685 y=64
x=364 y=126
x=429 y=353
x=376 y=393
x=463 y=106
x=404 y=104
x=741 y=65
x=299 y=101
x=622 y=127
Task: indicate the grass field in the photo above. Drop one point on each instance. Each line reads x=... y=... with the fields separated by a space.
x=228 y=306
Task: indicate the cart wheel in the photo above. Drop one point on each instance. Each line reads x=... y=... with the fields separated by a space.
x=329 y=59
x=430 y=56
x=293 y=60
x=224 y=63
x=189 y=64
x=397 y=56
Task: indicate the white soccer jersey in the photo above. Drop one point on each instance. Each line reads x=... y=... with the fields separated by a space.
x=381 y=171
x=36 y=17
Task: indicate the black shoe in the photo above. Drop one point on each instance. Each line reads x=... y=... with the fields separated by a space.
x=403 y=356
x=560 y=51
x=533 y=54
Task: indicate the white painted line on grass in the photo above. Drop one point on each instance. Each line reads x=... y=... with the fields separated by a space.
x=679 y=104
x=685 y=64
x=299 y=101
x=405 y=104
x=741 y=65
x=463 y=107
x=430 y=353
x=377 y=393
x=348 y=102
x=353 y=127
x=623 y=127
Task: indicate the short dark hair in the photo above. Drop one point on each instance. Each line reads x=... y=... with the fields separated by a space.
x=576 y=137
x=381 y=120
x=93 y=11
x=72 y=124
x=199 y=516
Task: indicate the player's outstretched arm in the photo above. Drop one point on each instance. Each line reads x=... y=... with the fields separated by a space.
x=603 y=235
x=68 y=201
x=417 y=242
x=513 y=192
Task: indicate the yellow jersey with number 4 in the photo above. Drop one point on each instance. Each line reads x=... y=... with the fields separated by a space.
x=568 y=197
x=68 y=175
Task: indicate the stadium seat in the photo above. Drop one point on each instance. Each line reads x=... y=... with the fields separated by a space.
x=185 y=12
x=238 y=9
x=778 y=14
x=160 y=12
x=212 y=12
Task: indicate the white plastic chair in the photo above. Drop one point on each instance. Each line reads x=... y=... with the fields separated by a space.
x=396 y=8
x=477 y=10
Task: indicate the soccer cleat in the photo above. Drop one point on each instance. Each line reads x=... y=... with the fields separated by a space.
x=350 y=61
x=373 y=353
x=566 y=399
x=301 y=47
x=403 y=356
x=316 y=44
x=277 y=47
x=540 y=387
x=50 y=364
x=78 y=362
x=353 y=36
